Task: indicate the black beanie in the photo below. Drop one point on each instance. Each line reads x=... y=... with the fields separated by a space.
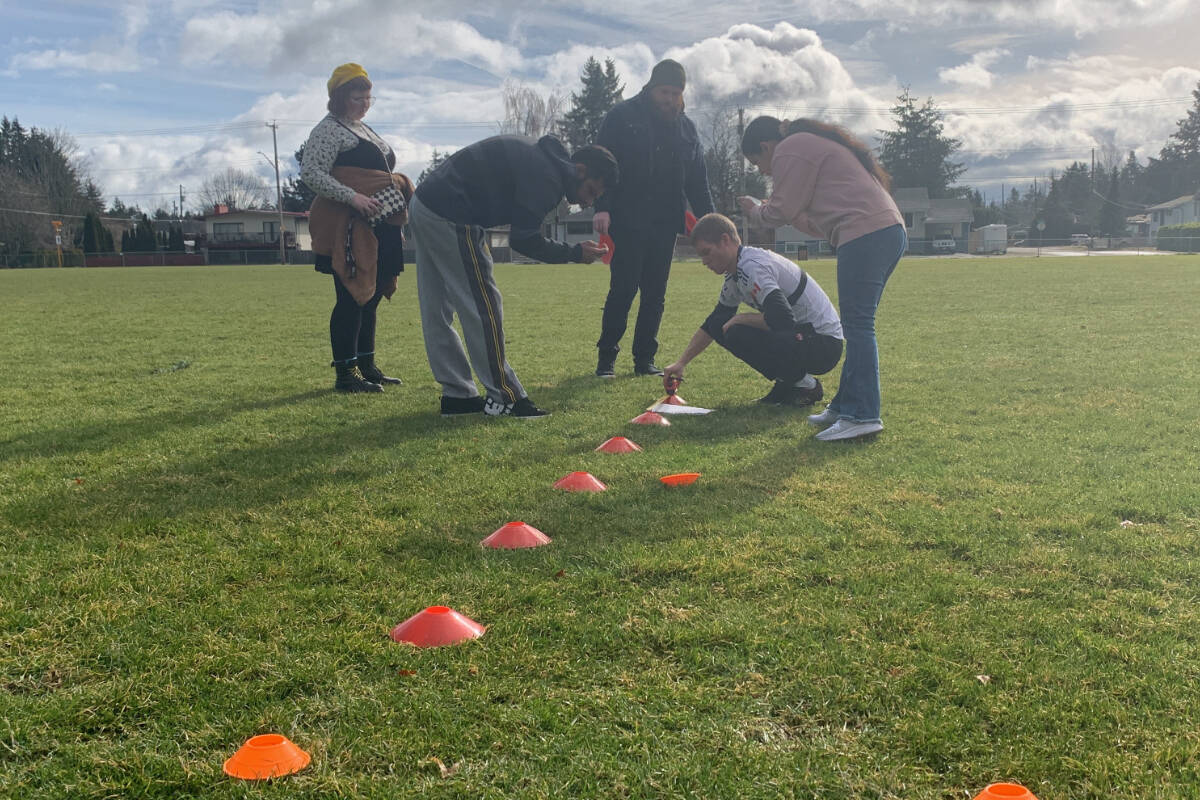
x=667 y=73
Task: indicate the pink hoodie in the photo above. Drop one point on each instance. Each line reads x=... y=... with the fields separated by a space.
x=821 y=188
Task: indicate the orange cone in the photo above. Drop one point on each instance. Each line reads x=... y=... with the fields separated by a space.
x=607 y=241
x=618 y=444
x=674 y=400
x=436 y=626
x=579 y=482
x=514 y=535
x=266 y=756
x=680 y=479
x=650 y=418
x=689 y=221
x=1005 y=791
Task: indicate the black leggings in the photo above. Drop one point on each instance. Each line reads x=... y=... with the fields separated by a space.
x=351 y=326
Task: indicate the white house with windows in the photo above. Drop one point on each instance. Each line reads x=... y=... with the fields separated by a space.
x=1179 y=211
x=254 y=230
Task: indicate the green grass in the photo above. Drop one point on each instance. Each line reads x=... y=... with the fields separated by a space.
x=199 y=542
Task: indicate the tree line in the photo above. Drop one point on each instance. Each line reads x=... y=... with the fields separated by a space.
x=41 y=178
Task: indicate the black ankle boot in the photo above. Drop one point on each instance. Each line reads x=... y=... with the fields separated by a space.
x=350 y=380
x=372 y=373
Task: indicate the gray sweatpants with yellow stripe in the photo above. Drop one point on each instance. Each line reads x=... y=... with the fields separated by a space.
x=454 y=275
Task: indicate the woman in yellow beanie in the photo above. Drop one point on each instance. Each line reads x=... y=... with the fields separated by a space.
x=342 y=139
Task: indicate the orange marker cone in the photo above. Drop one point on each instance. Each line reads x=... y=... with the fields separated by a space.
x=680 y=479
x=436 y=626
x=1005 y=791
x=689 y=221
x=607 y=241
x=266 y=756
x=650 y=418
x=618 y=444
x=514 y=535
x=674 y=400
x=579 y=482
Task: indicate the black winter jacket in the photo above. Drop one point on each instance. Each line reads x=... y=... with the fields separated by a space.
x=628 y=131
x=506 y=180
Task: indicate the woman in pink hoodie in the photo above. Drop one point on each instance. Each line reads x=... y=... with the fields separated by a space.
x=827 y=183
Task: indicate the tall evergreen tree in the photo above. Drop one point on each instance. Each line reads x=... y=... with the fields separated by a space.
x=434 y=162
x=918 y=153
x=296 y=194
x=602 y=89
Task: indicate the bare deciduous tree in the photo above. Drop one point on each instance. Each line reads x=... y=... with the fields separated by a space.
x=528 y=113
x=235 y=188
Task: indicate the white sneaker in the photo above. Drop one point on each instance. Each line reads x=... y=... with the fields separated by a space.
x=826 y=417
x=848 y=429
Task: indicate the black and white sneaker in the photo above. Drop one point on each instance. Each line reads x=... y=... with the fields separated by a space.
x=805 y=397
x=461 y=406
x=522 y=409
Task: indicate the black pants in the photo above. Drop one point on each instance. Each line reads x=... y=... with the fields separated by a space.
x=641 y=262
x=351 y=326
x=779 y=356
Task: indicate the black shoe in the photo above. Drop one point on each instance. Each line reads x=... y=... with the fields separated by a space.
x=779 y=394
x=606 y=366
x=522 y=409
x=351 y=381
x=458 y=406
x=372 y=373
x=804 y=397
x=646 y=368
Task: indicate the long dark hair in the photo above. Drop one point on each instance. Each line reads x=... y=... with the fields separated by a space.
x=770 y=129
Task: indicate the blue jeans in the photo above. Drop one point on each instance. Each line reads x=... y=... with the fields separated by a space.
x=863 y=267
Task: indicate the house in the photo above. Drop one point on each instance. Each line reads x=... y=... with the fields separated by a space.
x=926 y=219
x=227 y=231
x=1174 y=212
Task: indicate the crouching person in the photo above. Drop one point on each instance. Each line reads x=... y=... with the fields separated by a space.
x=794 y=333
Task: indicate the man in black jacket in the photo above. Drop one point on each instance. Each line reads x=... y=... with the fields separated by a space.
x=662 y=169
x=504 y=180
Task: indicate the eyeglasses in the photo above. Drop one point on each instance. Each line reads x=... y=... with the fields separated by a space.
x=368 y=100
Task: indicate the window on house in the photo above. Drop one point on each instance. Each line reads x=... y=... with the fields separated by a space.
x=271 y=231
x=227 y=227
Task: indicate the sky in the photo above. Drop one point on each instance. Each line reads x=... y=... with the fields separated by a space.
x=159 y=95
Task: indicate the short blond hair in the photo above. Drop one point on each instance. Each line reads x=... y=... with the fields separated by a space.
x=709 y=228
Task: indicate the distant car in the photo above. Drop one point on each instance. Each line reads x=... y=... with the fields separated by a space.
x=1081 y=238
x=946 y=245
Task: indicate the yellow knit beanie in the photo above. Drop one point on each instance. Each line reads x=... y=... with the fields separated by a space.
x=344 y=74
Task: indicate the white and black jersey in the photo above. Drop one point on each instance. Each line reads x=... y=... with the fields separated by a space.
x=787 y=296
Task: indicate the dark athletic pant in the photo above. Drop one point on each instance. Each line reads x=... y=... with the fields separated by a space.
x=351 y=326
x=780 y=356
x=641 y=262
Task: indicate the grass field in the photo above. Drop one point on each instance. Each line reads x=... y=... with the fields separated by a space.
x=199 y=542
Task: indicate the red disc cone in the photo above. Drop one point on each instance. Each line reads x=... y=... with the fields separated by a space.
x=618 y=444
x=1005 y=791
x=579 y=482
x=266 y=756
x=514 y=535
x=436 y=626
x=674 y=400
x=607 y=241
x=689 y=221
x=680 y=479
x=650 y=418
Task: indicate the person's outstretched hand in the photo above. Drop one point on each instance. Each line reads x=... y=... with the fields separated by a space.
x=748 y=203
x=590 y=251
x=670 y=371
x=600 y=222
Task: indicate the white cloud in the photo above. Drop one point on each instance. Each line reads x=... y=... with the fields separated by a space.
x=106 y=54
x=974 y=72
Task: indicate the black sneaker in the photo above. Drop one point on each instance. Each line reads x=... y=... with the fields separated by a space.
x=458 y=406
x=779 y=394
x=606 y=366
x=804 y=397
x=522 y=409
x=646 y=368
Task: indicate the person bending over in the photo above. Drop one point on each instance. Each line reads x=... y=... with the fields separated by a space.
x=792 y=336
x=503 y=180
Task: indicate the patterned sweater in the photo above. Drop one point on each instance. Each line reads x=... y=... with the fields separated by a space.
x=329 y=139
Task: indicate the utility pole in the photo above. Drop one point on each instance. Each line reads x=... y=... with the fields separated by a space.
x=741 y=129
x=278 y=192
x=181 y=203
